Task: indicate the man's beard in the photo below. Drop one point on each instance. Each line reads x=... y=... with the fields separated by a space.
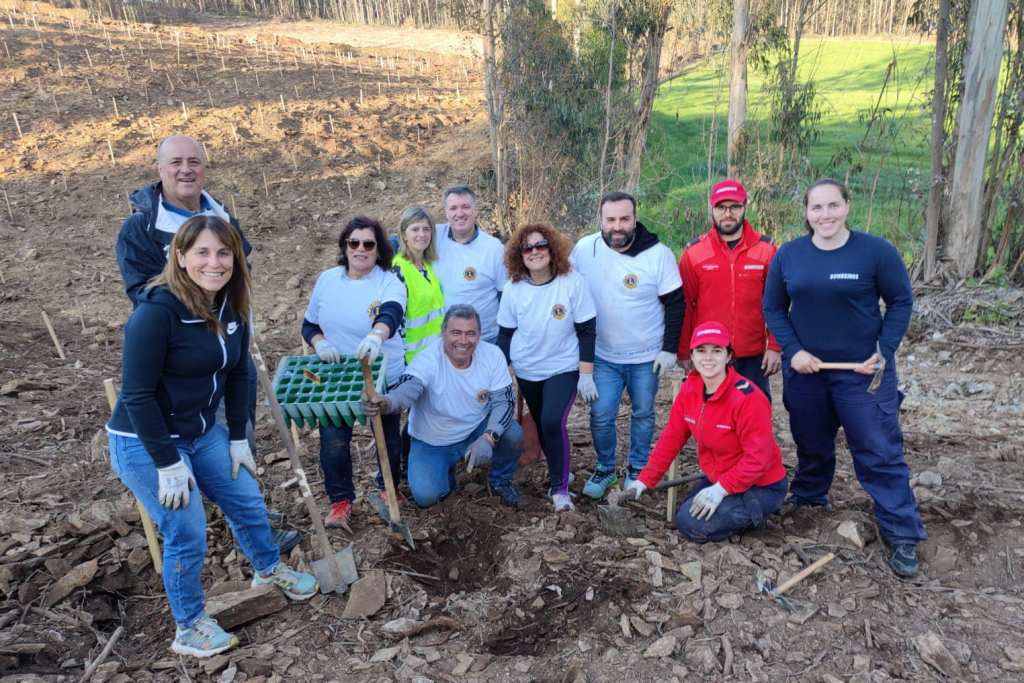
x=736 y=231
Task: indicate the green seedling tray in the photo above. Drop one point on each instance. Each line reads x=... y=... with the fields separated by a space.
x=337 y=399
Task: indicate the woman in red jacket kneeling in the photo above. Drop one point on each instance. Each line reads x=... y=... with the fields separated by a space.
x=730 y=418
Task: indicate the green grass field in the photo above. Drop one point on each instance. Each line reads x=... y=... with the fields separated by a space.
x=887 y=169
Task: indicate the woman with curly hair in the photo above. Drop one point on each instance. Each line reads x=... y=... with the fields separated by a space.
x=546 y=329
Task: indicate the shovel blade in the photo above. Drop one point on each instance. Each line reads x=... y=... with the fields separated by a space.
x=380 y=506
x=336 y=574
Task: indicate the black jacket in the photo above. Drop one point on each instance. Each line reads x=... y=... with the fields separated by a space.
x=175 y=372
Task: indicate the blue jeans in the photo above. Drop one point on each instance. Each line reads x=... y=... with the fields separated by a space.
x=432 y=468
x=184 y=529
x=336 y=457
x=818 y=405
x=747 y=510
x=750 y=367
x=641 y=382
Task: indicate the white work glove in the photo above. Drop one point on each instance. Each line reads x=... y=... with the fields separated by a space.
x=635 y=489
x=175 y=482
x=707 y=501
x=369 y=348
x=586 y=387
x=327 y=351
x=664 y=362
x=241 y=456
x=479 y=453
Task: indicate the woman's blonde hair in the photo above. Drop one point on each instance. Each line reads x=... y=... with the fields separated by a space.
x=415 y=214
x=178 y=282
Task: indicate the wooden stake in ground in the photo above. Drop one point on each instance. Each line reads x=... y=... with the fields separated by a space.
x=147 y=522
x=673 y=472
x=53 y=336
x=110 y=148
x=266 y=185
x=16 y=124
x=7 y=201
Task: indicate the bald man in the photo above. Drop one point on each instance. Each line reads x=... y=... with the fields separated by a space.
x=158 y=210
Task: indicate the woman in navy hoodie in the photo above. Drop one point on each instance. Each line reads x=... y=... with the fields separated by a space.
x=186 y=346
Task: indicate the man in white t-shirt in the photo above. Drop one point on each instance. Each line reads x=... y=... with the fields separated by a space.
x=458 y=392
x=470 y=262
x=634 y=282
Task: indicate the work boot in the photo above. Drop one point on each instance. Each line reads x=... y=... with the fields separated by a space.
x=599 y=484
x=508 y=493
x=204 y=638
x=903 y=560
x=792 y=504
x=340 y=514
x=286 y=539
x=296 y=585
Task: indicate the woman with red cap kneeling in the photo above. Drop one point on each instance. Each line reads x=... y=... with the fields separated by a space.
x=731 y=420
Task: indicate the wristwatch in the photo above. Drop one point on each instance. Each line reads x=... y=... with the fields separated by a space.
x=492 y=437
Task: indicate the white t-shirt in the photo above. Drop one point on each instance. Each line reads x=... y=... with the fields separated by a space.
x=454 y=401
x=625 y=289
x=344 y=309
x=545 y=342
x=472 y=273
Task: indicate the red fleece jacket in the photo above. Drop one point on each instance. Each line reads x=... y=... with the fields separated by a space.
x=733 y=429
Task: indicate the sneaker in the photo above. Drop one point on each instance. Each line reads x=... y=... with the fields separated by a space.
x=792 y=504
x=296 y=585
x=508 y=493
x=903 y=560
x=286 y=539
x=340 y=514
x=562 y=502
x=632 y=474
x=599 y=484
x=204 y=638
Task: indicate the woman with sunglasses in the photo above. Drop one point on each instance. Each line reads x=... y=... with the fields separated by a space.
x=355 y=310
x=547 y=328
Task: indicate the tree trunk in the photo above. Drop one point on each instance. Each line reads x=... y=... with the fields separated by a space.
x=738 y=81
x=937 y=186
x=495 y=113
x=608 y=100
x=652 y=59
x=974 y=127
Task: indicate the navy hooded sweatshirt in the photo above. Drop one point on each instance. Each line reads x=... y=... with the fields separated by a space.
x=175 y=371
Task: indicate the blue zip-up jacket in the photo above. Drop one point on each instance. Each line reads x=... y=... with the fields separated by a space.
x=142 y=245
x=175 y=372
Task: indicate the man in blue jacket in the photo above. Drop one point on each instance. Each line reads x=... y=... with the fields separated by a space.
x=158 y=210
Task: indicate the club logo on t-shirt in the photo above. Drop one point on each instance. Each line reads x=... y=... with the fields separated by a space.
x=558 y=312
x=373 y=310
x=630 y=281
x=482 y=396
x=469 y=273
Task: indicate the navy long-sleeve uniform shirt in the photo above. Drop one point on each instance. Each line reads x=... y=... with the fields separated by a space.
x=826 y=302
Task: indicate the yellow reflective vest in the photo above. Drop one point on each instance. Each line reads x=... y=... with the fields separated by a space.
x=424 y=311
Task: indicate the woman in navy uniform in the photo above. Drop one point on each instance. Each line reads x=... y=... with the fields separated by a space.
x=821 y=303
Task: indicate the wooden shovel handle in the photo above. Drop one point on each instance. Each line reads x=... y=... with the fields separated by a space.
x=838 y=366
x=383 y=461
x=803 y=574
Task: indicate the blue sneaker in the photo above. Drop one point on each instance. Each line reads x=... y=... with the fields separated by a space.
x=204 y=638
x=296 y=585
x=599 y=484
x=903 y=560
x=508 y=493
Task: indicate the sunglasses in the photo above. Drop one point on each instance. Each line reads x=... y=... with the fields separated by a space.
x=368 y=245
x=542 y=245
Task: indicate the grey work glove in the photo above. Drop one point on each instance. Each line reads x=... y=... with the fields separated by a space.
x=327 y=351
x=586 y=387
x=175 y=482
x=379 y=405
x=241 y=456
x=479 y=453
x=663 y=362
x=707 y=501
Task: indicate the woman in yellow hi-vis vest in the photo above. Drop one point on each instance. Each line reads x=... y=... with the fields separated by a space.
x=425 y=308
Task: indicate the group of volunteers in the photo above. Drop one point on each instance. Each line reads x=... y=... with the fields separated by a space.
x=465 y=322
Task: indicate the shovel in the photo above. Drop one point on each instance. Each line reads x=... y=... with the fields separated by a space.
x=765 y=585
x=618 y=520
x=334 y=571
x=390 y=512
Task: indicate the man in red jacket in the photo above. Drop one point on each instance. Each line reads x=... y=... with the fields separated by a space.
x=724 y=271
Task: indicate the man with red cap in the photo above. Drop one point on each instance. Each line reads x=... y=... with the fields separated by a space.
x=724 y=271
x=731 y=421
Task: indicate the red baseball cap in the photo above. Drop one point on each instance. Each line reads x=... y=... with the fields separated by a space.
x=728 y=189
x=710 y=332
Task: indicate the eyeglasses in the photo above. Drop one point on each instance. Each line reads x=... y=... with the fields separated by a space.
x=542 y=245
x=729 y=208
x=368 y=245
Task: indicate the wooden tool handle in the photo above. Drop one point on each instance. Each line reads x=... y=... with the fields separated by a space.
x=383 y=461
x=839 y=366
x=671 y=483
x=803 y=574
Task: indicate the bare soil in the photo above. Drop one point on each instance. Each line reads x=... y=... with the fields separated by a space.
x=315 y=133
